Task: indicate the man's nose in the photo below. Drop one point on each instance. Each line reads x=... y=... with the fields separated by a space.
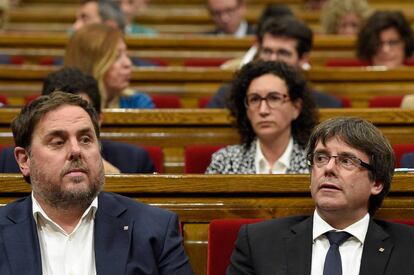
x=75 y=150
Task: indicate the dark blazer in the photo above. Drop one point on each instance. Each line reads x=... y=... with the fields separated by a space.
x=407 y=160
x=284 y=246
x=250 y=30
x=127 y=158
x=152 y=244
x=322 y=100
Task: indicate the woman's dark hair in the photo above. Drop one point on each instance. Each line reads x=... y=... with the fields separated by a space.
x=369 y=36
x=298 y=90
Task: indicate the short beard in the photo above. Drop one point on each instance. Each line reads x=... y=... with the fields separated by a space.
x=56 y=197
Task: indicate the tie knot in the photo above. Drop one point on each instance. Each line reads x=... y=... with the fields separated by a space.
x=337 y=237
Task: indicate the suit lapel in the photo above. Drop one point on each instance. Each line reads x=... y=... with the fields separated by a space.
x=112 y=236
x=21 y=241
x=377 y=250
x=299 y=248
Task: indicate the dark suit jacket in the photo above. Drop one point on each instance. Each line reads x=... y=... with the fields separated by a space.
x=284 y=246
x=126 y=157
x=250 y=30
x=407 y=160
x=322 y=100
x=151 y=245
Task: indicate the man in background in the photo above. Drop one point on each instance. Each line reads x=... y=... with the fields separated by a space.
x=229 y=17
x=94 y=11
x=285 y=39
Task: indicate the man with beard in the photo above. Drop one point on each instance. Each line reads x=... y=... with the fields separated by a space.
x=67 y=225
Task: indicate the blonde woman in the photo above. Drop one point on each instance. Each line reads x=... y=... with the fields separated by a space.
x=100 y=50
x=344 y=17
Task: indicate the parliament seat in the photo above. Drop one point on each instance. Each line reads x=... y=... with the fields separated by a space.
x=166 y=101
x=198 y=157
x=157 y=157
x=400 y=150
x=222 y=234
x=385 y=101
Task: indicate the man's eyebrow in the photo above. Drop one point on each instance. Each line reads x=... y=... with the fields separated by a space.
x=323 y=150
x=56 y=133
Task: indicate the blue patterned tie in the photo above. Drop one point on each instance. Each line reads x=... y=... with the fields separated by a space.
x=333 y=264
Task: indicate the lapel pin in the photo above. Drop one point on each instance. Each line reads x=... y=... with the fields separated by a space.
x=381 y=249
x=125 y=227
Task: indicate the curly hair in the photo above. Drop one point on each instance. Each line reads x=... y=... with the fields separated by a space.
x=369 y=35
x=334 y=10
x=298 y=90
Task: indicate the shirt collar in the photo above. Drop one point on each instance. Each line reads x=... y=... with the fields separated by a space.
x=242 y=30
x=358 y=229
x=38 y=210
x=282 y=163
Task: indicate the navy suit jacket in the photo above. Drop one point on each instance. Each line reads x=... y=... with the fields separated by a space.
x=221 y=97
x=126 y=157
x=152 y=243
x=284 y=246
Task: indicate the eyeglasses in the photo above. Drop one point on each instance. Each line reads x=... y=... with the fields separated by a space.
x=390 y=43
x=345 y=161
x=227 y=11
x=273 y=100
x=280 y=53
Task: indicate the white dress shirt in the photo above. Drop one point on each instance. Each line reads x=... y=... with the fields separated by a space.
x=350 y=250
x=242 y=30
x=279 y=167
x=62 y=253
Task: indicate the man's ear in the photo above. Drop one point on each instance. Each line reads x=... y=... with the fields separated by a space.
x=23 y=160
x=304 y=61
x=101 y=117
x=377 y=187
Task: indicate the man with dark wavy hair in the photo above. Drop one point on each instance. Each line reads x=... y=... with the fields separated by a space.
x=351 y=166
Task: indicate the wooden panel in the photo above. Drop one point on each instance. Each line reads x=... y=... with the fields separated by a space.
x=164 y=47
x=190 y=84
x=173 y=129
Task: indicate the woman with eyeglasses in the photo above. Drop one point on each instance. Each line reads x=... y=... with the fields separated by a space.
x=274 y=113
x=386 y=39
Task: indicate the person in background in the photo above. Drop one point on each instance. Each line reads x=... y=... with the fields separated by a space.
x=344 y=17
x=386 y=39
x=229 y=17
x=285 y=39
x=100 y=50
x=352 y=165
x=94 y=11
x=271 y=11
x=117 y=157
x=130 y=8
x=275 y=114
x=68 y=225
x=314 y=4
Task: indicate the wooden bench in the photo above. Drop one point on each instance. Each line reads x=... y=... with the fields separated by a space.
x=167 y=17
x=174 y=129
x=173 y=50
x=198 y=199
x=191 y=84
